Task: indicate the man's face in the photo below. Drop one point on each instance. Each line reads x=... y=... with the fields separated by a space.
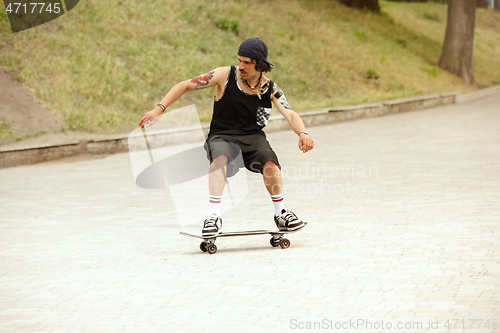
x=247 y=68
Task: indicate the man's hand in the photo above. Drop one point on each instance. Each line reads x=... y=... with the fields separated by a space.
x=150 y=118
x=279 y=100
x=305 y=143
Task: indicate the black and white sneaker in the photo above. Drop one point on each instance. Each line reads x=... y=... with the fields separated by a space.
x=288 y=221
x=212 y=225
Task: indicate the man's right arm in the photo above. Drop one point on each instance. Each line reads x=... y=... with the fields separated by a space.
x=216 y=77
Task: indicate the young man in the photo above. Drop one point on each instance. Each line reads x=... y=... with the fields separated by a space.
x=241 y=109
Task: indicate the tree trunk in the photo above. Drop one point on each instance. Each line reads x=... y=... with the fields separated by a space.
x=456 y=56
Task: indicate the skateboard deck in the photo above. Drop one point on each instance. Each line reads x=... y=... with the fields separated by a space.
x=208 y=244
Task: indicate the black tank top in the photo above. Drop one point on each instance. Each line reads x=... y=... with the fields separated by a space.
x=239 y=113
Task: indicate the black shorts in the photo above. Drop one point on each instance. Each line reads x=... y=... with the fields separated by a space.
x=255 y=150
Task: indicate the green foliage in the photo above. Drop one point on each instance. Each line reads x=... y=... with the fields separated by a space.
x=366 y=5
x=4 y=22
x=371 y=73
x=361 y=36
x=3 y=16
x=228 y=24
x=432 y=17
x=432 y=70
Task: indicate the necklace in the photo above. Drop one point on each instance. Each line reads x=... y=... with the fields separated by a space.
x=249 y=86
x=256 y=89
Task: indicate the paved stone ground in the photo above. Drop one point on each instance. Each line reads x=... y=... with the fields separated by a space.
x=404 y=229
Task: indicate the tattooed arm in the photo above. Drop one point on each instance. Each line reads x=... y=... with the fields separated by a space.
x=296 y=123
x=216 y=77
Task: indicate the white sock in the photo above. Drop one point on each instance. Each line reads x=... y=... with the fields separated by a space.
x=279 y=204
x=215 y=204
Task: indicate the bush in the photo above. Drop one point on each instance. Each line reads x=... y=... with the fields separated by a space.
x=362 y=4
x=432 y=17
x=432 y=70
x=371 y=74
x=228 y=24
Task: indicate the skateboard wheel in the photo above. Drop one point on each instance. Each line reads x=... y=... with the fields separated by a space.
x=212 y=248
x=203 y=246
x=274 y=242
x=284 y=243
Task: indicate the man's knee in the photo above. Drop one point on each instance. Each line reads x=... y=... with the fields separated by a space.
x=270 y=169
x=270 y=164
x=220 y=161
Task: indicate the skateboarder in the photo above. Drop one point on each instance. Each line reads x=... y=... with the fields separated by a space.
x=242 y=106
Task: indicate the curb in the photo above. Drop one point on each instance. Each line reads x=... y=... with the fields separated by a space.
x=462 y=98
x=119 y=143
x=369 y=110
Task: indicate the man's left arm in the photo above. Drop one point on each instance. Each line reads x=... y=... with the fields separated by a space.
x=296 y=123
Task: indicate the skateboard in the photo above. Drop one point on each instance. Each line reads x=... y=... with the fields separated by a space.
x=277 y=239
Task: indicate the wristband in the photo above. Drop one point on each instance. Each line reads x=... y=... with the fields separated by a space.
x=304 y=133
x=162 y=107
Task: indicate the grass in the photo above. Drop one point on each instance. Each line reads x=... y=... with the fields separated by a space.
x=105 y=63
x=5 y=130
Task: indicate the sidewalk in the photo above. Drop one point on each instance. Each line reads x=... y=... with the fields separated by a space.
x=404 y=215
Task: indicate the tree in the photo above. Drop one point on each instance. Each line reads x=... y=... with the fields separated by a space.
x=361 y=4
x=456 y=56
